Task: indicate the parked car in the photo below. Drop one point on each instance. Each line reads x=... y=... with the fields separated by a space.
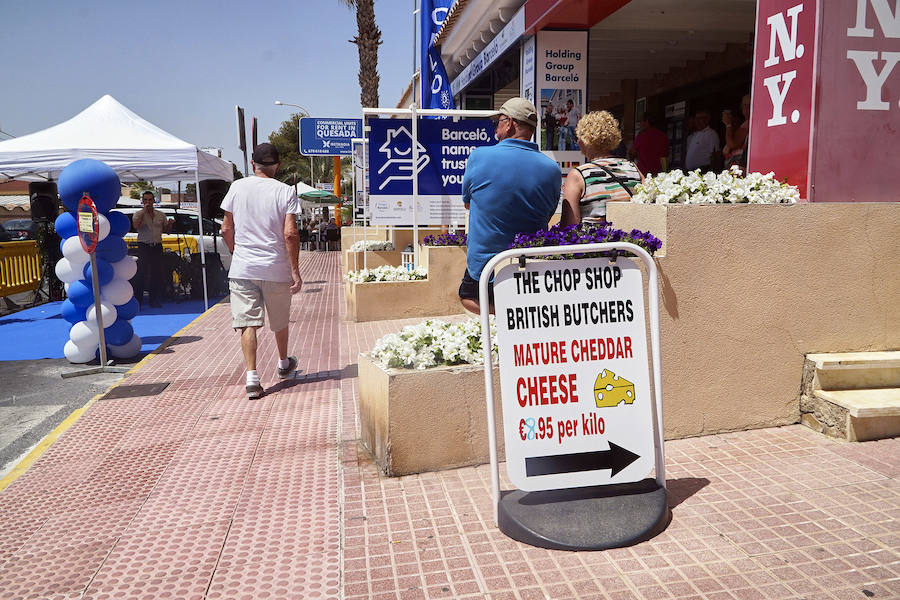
x=185 y=234
x=4 y=235
x=21 y=229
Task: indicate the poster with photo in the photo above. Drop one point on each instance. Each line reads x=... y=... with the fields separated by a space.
x=561 y=109
x=562 y=82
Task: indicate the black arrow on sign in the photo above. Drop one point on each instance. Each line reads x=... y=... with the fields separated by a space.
x=616 y=458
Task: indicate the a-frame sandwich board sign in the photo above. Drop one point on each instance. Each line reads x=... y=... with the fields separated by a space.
x=582 y=423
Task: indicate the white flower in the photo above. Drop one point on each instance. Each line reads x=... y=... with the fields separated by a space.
x=708 y=188
x=372 y=245
x=433 y=343
x=387 y=273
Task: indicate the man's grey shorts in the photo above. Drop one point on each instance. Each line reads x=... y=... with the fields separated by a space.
x=248 y=296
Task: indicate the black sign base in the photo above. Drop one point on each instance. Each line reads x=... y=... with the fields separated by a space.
x=589 y=518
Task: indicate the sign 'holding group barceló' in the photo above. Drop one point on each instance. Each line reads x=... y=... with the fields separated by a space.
x=574 y=373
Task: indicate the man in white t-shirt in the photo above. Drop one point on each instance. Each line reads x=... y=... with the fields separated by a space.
x=701 y=144
x=260 y=228
x=572 y=118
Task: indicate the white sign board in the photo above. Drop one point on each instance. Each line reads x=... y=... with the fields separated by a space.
x=526 y=85
x=574 y=373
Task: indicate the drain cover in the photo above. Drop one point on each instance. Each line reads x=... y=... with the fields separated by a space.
x=135 y=391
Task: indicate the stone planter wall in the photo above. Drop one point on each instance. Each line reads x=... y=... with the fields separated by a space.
x=415 y=421
x=434 y=296
x=747 y=291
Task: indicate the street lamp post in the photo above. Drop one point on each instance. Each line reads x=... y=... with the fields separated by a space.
x=312 y=180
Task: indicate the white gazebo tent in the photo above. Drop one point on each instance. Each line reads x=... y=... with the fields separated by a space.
x=134 y=148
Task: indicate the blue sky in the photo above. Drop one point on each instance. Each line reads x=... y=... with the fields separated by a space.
x=184 y=65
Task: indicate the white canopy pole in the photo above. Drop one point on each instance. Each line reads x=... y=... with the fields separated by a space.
x=202 y=241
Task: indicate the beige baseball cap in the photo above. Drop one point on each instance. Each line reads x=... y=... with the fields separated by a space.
x=519 y=109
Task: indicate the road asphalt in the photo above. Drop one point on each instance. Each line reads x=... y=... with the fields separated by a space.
x=35 y=399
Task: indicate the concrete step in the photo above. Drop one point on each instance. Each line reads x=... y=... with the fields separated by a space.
x=884 y=402
x=852 y=395
x=856 y=370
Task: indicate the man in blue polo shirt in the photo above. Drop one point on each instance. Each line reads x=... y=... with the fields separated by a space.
x=508 y=188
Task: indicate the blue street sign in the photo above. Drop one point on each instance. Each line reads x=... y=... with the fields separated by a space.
x=328 y=137
x=444 y=147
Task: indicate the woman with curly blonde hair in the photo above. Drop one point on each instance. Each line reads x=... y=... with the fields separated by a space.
x=603 y=179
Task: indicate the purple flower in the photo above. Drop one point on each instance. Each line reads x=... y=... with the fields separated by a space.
x=445 y=239
x=584 y=233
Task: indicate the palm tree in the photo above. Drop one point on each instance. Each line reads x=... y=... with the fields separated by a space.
x=367 y=40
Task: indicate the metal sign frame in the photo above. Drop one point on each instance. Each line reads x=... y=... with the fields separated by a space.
x=652 y=313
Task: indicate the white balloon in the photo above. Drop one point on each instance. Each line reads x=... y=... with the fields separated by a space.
x=125 y=268
x=67 y=272
x=104 y=227
x=117 y=291
x=84 y=333
x=107 y=311
x=127 y=350
x=66 y=286
x=74 y=252
x=79 y=354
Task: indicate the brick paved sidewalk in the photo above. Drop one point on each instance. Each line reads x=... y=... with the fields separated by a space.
x=192 y=491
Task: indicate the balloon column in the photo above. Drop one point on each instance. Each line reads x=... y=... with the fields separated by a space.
x=114 y=266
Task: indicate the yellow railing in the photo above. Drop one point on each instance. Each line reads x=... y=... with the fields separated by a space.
x=20 y=267
x=172 y=242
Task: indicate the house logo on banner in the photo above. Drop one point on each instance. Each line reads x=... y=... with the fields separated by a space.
x=574 y=377
x=398 y=157
x=443 y=148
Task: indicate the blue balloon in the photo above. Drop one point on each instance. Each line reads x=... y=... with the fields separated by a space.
x=119 y=223
x=72 y=313
x=119 y=333
x=112 y=249
x=65 y=225
x=81 y=293
x=105 y=272
x=129 y=310
x=90 y=176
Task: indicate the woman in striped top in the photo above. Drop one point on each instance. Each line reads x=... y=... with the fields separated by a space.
x=603 y=178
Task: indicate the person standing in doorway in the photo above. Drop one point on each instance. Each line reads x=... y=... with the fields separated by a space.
x=150 y=224
x=702 y=144
x=651 y=147
x=260 y=229
x=736 y=135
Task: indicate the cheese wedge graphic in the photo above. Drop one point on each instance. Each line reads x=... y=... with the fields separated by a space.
x=610 y=389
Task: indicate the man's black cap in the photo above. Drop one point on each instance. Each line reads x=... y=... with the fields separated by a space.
x=266 y=154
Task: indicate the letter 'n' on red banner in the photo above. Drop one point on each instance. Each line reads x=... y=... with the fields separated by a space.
x=826 y=97
x=781 y=120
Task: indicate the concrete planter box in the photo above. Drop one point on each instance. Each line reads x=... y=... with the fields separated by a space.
x=415 y=421
x=354 y=261
x=434 y=296
x=746 y=291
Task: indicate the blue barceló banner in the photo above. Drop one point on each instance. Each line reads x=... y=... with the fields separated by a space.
x=435 y=84
x=444 y=147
